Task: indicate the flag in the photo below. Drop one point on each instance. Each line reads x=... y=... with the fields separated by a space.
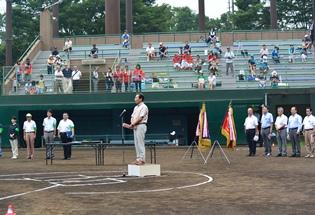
x=202 y=130
x=228 y=128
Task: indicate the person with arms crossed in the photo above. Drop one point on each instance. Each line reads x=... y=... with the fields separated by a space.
x=308 y=129
x=281 y=128
x=66 y=134
x=13 y=138
x=266 y=129
x=49 y=131
x=251 y=131
x=293 y=130
x=29 y=134
x=139 y=119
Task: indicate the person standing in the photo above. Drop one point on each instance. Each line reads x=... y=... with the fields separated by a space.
x=294 y=129
x=229 y=56
x=308 y=129
x=49 y=130
x=67 y=74
x=251 y=130
x=266 y=129
x=281 y=128
x=95 y=79
x=126 y=78
x=13 y=138
x=76 y=77
x=137 y=77
x=109 y=80
x=118 y=78
x=139 y=119
x=66 y=134
x=59 y=80
x=29 y=134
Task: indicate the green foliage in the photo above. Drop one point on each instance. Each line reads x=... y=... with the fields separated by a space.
x=184 y=19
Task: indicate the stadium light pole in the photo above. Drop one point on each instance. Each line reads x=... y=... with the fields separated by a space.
x=55 y=12
x=9 y=34
x=112 y=17
x=129 y=16
x=273 y=14
x=202 y=24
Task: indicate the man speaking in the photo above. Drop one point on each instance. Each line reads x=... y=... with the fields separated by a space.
x=139 y=119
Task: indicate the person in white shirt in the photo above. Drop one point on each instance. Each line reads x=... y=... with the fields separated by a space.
x=264 y=51
x=76 y=77
x=266 y=129
x=66 y=134
x=139 y=119
x=308 y=129
x=212 y=81
x=29 y=135
x=251 y=131
x=294 y=129
x=95 y=79
x=68 y=45
x=59 y=80
x=150 y=52
x=49 y=131
x=281 y=128
x=229 y=56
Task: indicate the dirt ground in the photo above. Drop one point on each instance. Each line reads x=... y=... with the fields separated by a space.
x=250 y=185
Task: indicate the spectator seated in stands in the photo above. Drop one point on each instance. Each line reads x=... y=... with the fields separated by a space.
x=201 y=39
x=212 y=37
x=50 y=64
x=162 y=51
x=58 y=61
x=304 y=55
x=201 y=81
x=126 y=39
x=94 y=52
x=264 y=51
x=274 y=79
x=264 y=67
x=252 y=65
x=30 y=88
x=40 y=85
x=291 y=53
x=68 y=45
x=212 y=59
x=28 y=70
x=177 y=61
x=187 y=62
x=212 y=81
x=198 y=62
x=275 y=54
x=187 y=48
x=155 y=81
x=150 y=51
x=307 y=42
x=244 y=53
x=55 y=52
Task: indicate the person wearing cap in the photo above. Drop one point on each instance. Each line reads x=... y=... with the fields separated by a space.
x=13 y=137
x=294 y=128
x=139 y=119
x=251 y=131
x=66 y=134
x=162 y=51
x=308 y=130
x=281 y=128
x=266 y=129
x=274 y=79
x=49 y=130
x=150 y=52
x=229 y=56
x=29 y=134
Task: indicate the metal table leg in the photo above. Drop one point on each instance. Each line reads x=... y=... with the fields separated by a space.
x=154 y=149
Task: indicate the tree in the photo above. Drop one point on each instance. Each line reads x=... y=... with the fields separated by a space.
x=184 y=19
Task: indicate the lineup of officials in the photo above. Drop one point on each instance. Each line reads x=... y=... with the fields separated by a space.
x=286 y=129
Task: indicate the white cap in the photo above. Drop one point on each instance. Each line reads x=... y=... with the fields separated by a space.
x=28 y=115
x=274 y=72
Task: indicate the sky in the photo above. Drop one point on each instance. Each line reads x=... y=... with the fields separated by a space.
x=221 y=6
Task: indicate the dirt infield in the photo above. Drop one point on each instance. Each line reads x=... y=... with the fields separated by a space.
x=250 y=185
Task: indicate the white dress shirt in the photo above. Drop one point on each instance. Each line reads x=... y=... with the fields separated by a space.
x=295 y=121
x=281 y=121
x=65 y=126
x=76 y=75
x=309 y=122
x=251 y=122
x=49 y=124
x=59 y=75
x=150 y=50
x=229 y=57
x=29 y=126
x=140 y=110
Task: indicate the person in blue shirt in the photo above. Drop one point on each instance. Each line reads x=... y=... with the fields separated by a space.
x=294 y=128
x=252 y=65
x=266 y=129
x=126 y=38
x=275 y=54
x=291 y=53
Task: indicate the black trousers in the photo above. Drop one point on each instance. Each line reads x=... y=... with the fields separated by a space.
x=66 y=148
x=138 y=86
x=76 y=85
x=250 y=134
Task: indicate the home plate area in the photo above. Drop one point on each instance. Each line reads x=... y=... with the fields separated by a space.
x=97 y=183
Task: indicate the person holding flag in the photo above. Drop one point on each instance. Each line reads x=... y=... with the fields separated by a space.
x=202 y=130
x=228 y=128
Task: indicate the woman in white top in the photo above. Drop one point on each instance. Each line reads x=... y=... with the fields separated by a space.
x=212 y=81
x=29 y=134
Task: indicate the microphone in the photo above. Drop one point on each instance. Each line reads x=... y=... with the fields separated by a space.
x=122 y=113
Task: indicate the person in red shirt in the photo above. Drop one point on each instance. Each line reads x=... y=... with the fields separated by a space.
x=212 y=60
x=177 y=61
x=187 y=61
x=137 y=77
x=118 y=78
x=28 y=69
x=126 y=78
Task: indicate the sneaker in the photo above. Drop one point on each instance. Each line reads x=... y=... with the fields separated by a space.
x=14 y=158
x=279 y=155
x=268 y=155
x=311 y=156
x=308 y=155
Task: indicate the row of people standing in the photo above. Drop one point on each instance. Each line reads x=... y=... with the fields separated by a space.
x=286 y=128
x=119 y=78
